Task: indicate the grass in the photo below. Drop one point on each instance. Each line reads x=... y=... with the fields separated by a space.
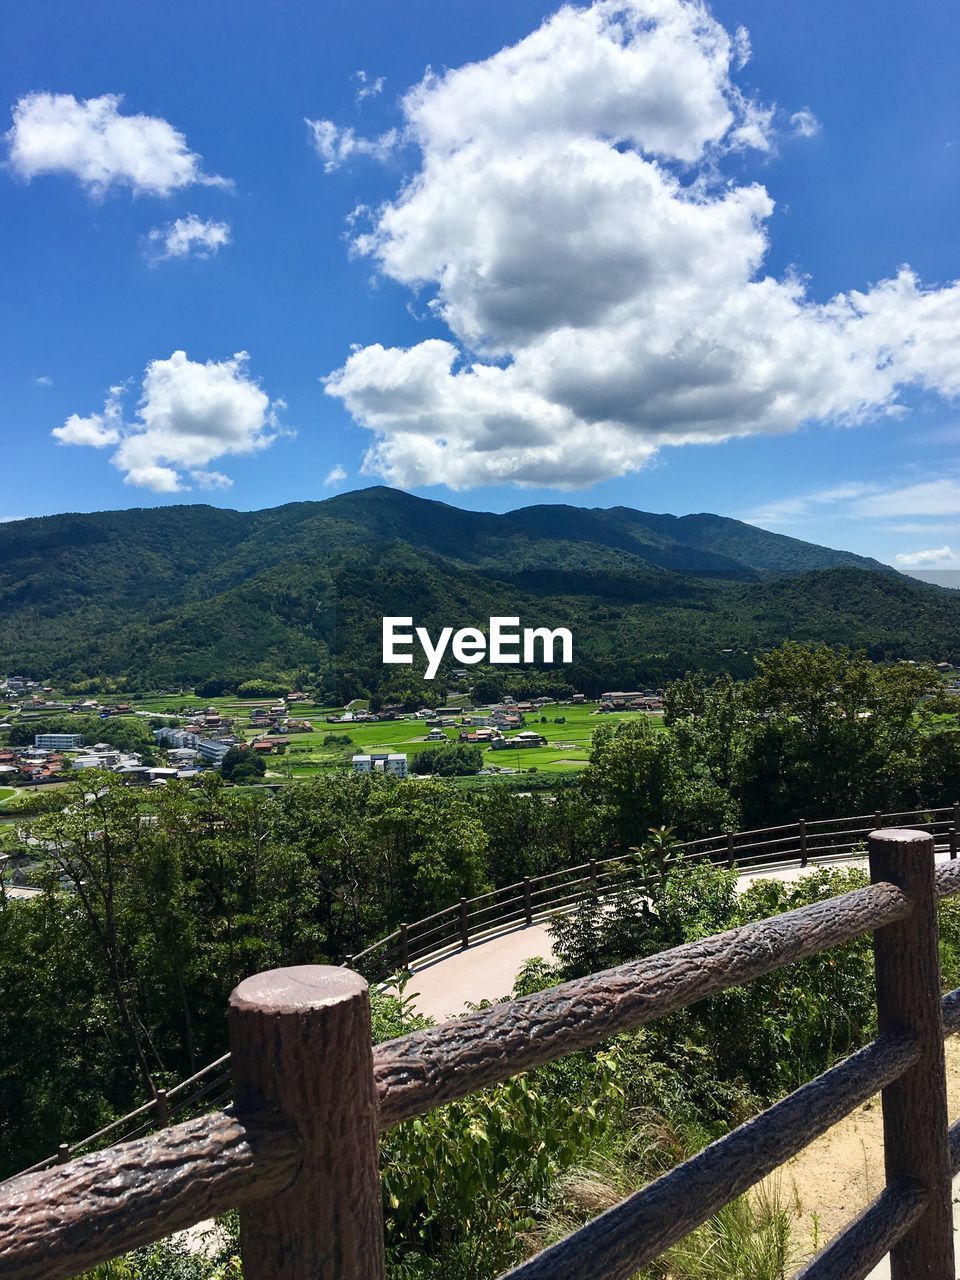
x=566 y=753
x=7 y=793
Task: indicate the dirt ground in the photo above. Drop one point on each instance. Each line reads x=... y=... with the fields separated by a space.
x=839 y=1174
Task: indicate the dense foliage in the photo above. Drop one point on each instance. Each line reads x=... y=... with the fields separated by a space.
x=241 y=765
x=172 y=898
x=155 y=905
x=453 y=761
x=255 y=601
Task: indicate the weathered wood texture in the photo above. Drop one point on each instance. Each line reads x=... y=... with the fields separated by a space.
x=948 y=879
x=301 y=1041
x=420 y=1071
x=854 y=1253
x=951 y=1013
x=907 y=965
x=953 y=1144
x=67 y=1219
x=627 y=1237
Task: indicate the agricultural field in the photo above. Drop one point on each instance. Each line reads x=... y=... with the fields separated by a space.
x=568 y=729
x=567 y=750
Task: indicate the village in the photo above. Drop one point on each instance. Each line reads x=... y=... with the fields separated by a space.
x=183 y=740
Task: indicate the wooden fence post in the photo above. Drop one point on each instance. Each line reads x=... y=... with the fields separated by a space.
x=908 y=999
x=163 y=1109
x=731 y=853
x=464 y=923
x=301 y=1044
x=63 y=1153
x=527 y=901
x=404 y=944
x=803 y=842
x=593 y=872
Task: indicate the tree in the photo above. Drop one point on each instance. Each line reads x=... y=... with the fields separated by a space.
x=831 y=732
x=242 y=765
x=455 y=760
x=263 y=688
x=642 y=780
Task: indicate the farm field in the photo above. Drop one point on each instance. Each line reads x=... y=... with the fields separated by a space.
x=568 y=729
x=567 y=750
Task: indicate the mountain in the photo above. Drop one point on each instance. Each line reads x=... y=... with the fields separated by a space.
x=176 y=595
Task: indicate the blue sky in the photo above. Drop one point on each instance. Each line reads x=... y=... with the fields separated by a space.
x=599 y=265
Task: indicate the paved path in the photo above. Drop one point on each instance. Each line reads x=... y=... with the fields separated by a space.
x=486 y=969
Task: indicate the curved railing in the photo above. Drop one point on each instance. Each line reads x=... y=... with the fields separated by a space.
x=808 y=842
x=803 y=843
x=298 y=1155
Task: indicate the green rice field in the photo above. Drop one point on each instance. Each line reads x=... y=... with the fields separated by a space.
x=566 y=752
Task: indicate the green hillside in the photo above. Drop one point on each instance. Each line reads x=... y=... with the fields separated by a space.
x=175 y=595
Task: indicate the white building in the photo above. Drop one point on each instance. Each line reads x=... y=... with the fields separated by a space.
x=58 y=741
x=176 y=738
x=381 y=763
x=87 y=762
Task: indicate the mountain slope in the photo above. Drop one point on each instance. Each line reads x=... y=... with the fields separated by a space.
x=179 y=594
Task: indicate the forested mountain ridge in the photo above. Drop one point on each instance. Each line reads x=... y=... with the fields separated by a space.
x=175 y=595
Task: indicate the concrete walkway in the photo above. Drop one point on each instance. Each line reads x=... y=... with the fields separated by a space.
x=486 y=970
x=443 y=988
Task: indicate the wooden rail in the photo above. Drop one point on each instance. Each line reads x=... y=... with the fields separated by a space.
x=297 y=1150
x=821 y=841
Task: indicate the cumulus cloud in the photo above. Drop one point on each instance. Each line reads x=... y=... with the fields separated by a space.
x=43 y=380
x=367 y=86
x=98 y=430
x=336 y=475
x=602 y=284
x=92 y=140
x=189 y=414
x=334 y=146
x=936 y=558
x=187 y=237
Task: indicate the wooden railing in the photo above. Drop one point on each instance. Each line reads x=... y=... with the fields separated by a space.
x=810 y=841
x=297 y=1151
x=816 y=842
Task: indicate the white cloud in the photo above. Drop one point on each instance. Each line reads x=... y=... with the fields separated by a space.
x=189 y=414
x=335 y=475
x=99 y=429
x=936 y=558
x=801 y=506
x=187 y=237
x=928 y=498
x=334 y=145
x=860 y=500
x=928 y=527
x=603 y=286
x=43 y=380
x=367 y=87
x=805 y=124
x=92 y=140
